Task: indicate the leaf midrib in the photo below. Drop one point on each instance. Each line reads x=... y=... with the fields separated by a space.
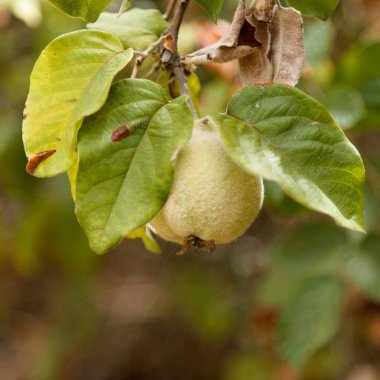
x=130 y=164
x=299 y=168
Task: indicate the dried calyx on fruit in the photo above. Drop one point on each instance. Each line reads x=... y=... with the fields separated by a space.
x=212 y=200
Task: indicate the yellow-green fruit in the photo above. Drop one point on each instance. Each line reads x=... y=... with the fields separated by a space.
x=211 y=198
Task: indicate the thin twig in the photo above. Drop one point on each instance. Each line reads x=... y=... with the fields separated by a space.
x=152 y=70
x=142 y=55
x=170 y=56
x=169 y=9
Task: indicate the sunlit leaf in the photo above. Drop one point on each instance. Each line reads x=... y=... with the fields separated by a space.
x=137 y=28
x=70 y=80
x=88 y=10
x=144 y=234
x=284 y=135
x=123 y=184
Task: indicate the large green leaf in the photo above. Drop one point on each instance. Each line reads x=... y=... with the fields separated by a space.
x=310 y=319
x=137 y=28
x=70 y=80
x=363 y=269
x=318 y=8
x=281 y=134
x=212 y=7
x=122 y=185
x=88 y=10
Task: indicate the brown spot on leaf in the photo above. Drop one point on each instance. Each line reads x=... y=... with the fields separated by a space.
x=36 y=159
x=120 y=133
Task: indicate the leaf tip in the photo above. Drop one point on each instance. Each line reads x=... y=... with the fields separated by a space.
x=36 y=159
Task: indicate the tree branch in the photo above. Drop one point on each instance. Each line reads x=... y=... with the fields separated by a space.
x=169 y=52
x=169 y=9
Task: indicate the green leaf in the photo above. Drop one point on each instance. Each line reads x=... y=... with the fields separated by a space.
x=346 y=105
x=360 y=68
x=70 y=80
x=310 y=319
x=363 y=269
x=282 y=134
x=88 y=10
x=319 y=37
x=309 y=251
x=122 y=185
x=212 y=7
x=318 y=8
x=137 y=28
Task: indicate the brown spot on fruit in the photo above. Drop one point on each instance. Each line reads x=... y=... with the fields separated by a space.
x=36 y=159
x=120 y=133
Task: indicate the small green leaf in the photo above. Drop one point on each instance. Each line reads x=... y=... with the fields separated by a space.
x=360 y=68
x=125 y=168
x=137 y=28
x=318 y=8
x=319 y=37
x=212 y=7
x=363 y=268
x=88 y=10
x=310 y=319
x=346 y=105
x=145 y=235
x=281 y=134
x=70 y=80
x=309 y=251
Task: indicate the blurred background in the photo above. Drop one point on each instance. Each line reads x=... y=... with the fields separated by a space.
x=295 y=298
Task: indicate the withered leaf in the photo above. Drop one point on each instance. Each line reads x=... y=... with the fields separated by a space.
x=288 y=55
x=266 y=38
x=257 y=67
x=231 y=46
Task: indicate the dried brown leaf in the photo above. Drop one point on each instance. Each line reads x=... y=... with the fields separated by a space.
x=229 y=47
x=288 y=55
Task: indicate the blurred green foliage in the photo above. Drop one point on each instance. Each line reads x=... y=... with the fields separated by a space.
x=296 y=298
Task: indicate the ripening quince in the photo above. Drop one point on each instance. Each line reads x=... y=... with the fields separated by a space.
x=212 y=198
